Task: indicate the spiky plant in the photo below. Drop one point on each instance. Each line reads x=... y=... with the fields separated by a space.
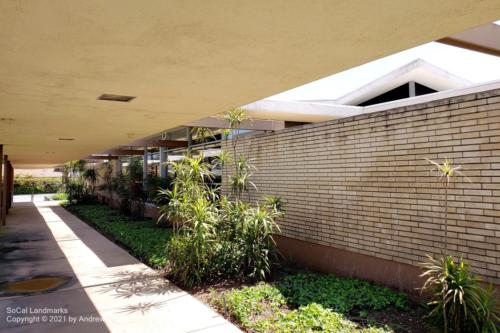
x=446 y=171
x=460 y=302
x=240 y=181
x=90 y=177
x=234 y=118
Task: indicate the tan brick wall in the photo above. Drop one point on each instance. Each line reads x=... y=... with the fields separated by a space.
x=362 y=184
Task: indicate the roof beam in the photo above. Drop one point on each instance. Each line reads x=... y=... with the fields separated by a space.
x=250 y=124
x=485 y=39
x=125 y=152
x=101 y=157
x=155 y=143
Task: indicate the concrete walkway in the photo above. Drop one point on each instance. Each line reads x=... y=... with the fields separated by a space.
x=109 y=290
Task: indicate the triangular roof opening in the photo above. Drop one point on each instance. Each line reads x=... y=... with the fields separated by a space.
x=416 y=78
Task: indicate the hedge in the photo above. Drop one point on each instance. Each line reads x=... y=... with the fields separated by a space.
x=31 y=185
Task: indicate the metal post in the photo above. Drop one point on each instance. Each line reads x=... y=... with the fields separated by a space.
x=163 y=159
x=189 y=138
x=118 y=167
x=412 y=89
x=145 y=168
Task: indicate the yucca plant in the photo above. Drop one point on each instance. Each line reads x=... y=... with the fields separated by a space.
x=257 y=241
x=460 y=303
x=240 y=181
x=191 y=254
x=108 y=183
x=188 y=185
x=446 y=171
x=73 y=180
x=275 y=204
x=458 y=298
x=222 y=160
x=234 y=118
x=90 y=180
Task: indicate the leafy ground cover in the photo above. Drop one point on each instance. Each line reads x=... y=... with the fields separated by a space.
x=310 y=302
x=142 y=237
x=295 y=301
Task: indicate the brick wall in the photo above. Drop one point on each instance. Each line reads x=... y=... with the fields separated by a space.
x=361 y=183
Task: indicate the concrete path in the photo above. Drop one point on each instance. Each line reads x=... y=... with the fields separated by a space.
x=109 y=290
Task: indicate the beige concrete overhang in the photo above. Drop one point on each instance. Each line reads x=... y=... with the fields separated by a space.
x=183 y=60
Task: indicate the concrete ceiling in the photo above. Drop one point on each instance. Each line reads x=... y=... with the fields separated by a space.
x=184 y=60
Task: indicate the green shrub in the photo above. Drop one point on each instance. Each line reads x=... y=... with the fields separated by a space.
x=129 y=186
x=218 y=237
x=144 y=238
x=79 y=182
x=31 y=185
x=256 y=241
x=191 y=252
x=459 y=302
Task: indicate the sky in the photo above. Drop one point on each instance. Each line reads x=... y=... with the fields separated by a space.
x=470 y=65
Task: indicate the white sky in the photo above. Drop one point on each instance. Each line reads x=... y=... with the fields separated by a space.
x=473 y=66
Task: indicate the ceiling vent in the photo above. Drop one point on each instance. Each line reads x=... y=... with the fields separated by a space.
x=115 y=98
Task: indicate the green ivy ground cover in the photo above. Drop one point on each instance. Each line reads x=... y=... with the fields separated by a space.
x=308 y=302
x=144 y=238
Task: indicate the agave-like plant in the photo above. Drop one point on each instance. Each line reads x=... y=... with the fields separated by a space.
x=275 y=204
x=446 y=171
x=459 y=300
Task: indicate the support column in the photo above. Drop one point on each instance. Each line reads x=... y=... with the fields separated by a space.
x=2 y=222
x=145 y=168
x=10 y=187
x=189 y=134
x=412 y=89
x=117 y=167
x=163 y=159
x=4 y=190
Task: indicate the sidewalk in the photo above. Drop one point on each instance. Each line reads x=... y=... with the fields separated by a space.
x=108 y=290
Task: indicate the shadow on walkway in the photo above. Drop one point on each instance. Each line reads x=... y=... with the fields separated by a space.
x=32 y=251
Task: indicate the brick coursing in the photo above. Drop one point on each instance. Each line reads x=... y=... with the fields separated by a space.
x=362 y=183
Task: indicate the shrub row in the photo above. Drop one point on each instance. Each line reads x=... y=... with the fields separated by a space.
x=31 y=185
